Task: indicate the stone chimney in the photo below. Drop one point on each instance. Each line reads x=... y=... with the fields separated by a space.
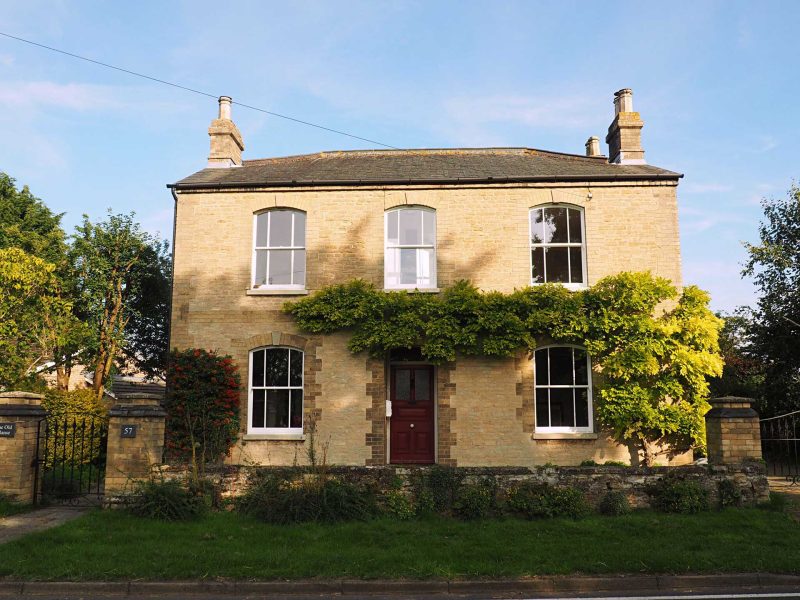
x=593 y=146
x=624 y=137
x=226 y=141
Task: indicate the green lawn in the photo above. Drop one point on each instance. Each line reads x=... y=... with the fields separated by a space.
x=107 y=545
x=8 y=508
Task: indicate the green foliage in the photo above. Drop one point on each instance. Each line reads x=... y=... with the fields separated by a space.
x=673 y=495
x=436 y=489
x=588 y=463
x=9 y=506
x=615 y=463
x=122 y=284
x=34 y=318
x=729 y=494
x=654 y=362
x=776 y=503
x=536 y=501
x=773 y=335
x=165 y=500
x=397 y=505
x=202 y=404
x=614 y=504
x=273 y=499
x=476 y=501
x=70 y=417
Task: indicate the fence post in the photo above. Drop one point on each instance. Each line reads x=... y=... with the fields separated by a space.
x=732 y=431
x=20 y=413
x=135 y=440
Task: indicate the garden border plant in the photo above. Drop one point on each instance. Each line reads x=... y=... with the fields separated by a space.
x=654 y=362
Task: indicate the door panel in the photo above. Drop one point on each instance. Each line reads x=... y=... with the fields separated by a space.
x=412 y=422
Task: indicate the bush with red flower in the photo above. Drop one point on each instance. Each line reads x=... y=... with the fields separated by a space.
x=202 y=404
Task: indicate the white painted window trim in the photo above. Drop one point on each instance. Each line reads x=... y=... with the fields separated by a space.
x=279 y=432
x=386 y=247
x=574 y=430
x=293 y=247
x=581 y=245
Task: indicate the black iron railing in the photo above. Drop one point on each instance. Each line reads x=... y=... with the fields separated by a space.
x=780 y=445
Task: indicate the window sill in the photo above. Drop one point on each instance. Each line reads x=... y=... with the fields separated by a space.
x=565 y=436
x=291 y=437
x=275 y=292
x=414 y=290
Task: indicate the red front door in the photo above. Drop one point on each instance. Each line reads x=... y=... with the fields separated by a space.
x=412 y=423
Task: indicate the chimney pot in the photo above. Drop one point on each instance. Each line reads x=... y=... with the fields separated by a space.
x=624 y=137
x=225 y=107
x=593 y=146
x=623 y=101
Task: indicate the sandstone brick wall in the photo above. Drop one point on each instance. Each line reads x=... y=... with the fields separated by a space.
x=485 y=414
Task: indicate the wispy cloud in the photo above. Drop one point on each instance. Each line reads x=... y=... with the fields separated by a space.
x=74 y=96
x=765 y=143
x=706 y=188
x=6 y=60
x=696 y=220
x=569 y=111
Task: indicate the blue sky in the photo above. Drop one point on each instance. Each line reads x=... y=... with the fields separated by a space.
x=715 y=82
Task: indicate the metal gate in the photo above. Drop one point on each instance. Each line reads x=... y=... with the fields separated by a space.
x=70 y=460
x=780 y=445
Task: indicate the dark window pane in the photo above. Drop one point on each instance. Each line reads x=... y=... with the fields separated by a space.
x=260 y=276
x=258 y=369
x=297 y=408
x=299 y=229
x=280 y=267
x=422 y=385
x=540 y=362
x=261 y=229
x=537 y=231
x=581 y=408
x=581 y=369
x=560 y=366
x=555 y=225
x=537 y=276
x=576 y=265
x=542 y=412
x=562 y=412
x=402 y=380
x=257 y=419
x=280 y=228
x=299 y=268
x=296 y=368
x=408 y=266
x=557 y=267
x=277 y=408
x=277 y=367
x=574 y=225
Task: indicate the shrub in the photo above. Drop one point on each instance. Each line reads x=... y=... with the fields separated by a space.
x=614 y=504
x=281 y=501
x=776 y=503
x=397 y=505
x=588 y=463
x=533 y=501
x=202 y=403
x=70 y=418
x=475 y=501
x=729 y=494
x=437 y=488
x=674 y=495
x=165 y=500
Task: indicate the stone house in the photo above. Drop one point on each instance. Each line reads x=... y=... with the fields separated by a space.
x=251 y=235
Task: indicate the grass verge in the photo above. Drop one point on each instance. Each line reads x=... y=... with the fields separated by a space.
x=8 y=508
x=108 y=545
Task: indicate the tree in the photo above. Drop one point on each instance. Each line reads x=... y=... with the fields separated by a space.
x=742 y=374
x=122 y=281
x=774 y=264
x=34 y=317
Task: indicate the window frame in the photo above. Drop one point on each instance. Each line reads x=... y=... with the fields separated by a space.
x=421 y=246
x=277 y=431
x=582 y=245
x=588 y=387
x=293 y=248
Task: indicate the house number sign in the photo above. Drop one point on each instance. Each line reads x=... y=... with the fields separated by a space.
x=128 y=431
x=8 y=430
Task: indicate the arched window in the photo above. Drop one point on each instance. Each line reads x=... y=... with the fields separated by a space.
x=410 y=251
x=279 y=249
x=558 y=247
x=563 y=383
x=275 y=403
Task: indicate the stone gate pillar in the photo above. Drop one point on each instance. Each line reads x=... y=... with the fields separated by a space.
x=732 y=431
x=20 y=414
x=135 y=440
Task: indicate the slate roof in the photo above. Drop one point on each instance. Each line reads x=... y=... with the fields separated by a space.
x=408 y=167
